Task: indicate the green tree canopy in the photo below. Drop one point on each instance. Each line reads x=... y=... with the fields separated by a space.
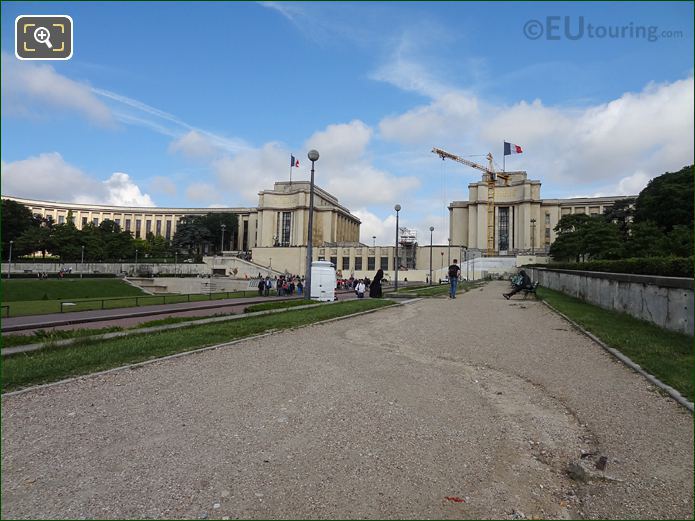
x=667 y=200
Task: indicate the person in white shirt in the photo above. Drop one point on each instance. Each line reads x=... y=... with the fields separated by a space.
x=360 y=289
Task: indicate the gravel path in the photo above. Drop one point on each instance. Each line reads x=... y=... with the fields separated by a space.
x=478 y=400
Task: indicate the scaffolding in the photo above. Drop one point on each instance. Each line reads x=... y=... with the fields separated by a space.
x=407 y=243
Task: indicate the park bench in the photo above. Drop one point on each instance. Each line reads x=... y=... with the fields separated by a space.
x=530 y=289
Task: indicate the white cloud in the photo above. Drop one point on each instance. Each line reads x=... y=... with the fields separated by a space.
x=53 y=179
x=248 y=172
x=26 y=87
x=202 y=192
x=346 y=169
x=648 y=132
x=452 y=114
x=193 y=144
x=163 y=185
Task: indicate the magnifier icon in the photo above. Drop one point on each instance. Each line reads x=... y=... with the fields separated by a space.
x=43 y=35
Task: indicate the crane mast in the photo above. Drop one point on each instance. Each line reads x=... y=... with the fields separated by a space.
x=491 y=181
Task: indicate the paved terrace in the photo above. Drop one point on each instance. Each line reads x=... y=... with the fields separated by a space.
x=466 y=408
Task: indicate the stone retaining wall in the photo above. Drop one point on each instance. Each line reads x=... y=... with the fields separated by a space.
x=664 y=301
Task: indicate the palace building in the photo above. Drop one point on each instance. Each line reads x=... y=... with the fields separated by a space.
x=275 y=232
x=279 y=220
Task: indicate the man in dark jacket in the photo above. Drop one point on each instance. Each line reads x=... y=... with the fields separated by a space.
x=524 y=283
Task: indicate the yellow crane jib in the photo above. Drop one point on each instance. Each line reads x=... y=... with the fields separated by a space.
x=491 y=180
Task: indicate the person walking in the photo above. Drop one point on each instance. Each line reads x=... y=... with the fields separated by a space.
x=360 y=289
x=454 y=273
x=261 y=286
x=375 y=286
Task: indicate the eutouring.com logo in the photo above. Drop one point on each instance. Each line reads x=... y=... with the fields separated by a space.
x=577 y=28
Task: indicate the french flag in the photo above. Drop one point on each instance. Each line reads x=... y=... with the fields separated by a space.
x=511 y=148
x=294 y=162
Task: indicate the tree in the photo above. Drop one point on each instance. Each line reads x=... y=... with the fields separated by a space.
x=646 y=240
x=66 y=241
x=192 y=235
x=214 y=221
x=621 y=213
x=582 y=237
x=35 y=238
x=667 y=200
x=16 y=219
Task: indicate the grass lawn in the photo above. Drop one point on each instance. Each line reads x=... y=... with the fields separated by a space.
x=42 y=307
x=86 y=357
x=278 y=305
x=665 y=354
x=436 y=290
x=35 y=289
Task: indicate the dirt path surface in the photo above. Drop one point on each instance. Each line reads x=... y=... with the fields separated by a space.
x=466 y=408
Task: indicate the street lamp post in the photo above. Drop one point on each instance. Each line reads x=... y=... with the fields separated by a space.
x=395 y=258
x=313 y=156
x=465 y=253
x=176 y=262
x=448 y=251
x=136 y=262
x=533 y=236
x=9 y=263
x=431 y=230
x=82 y=262
x=223 y=226
x=442 y=253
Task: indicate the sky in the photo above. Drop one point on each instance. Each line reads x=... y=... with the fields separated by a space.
x=201 y=104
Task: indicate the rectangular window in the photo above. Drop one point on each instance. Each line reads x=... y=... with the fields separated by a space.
x=286 y=227
x=370 y=263
x=168 y=235
x=334 y=261
x=245 y=237
x=504 y=228
x=138 y=227
x=358 y=263
x=159 y=228
x=346 y=263
x=384 y=263
x=61 y=219
x=148 y=226
x=84 y=222
x=127 y=225
x=118 y=222
x=547 y=219
x=95 y=220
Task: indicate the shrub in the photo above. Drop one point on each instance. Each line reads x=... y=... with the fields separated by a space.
x=659 y=266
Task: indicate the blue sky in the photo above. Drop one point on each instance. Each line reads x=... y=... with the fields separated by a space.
x=198 y=104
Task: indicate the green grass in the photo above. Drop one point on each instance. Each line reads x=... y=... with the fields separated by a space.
x=436 y=290
x=665 y=354
x=276 y=305
x=35 y=289
x=85 y=357
x=42 y=307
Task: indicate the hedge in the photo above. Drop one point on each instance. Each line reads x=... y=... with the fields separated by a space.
x=660 y=266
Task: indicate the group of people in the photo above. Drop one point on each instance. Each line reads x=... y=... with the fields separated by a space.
x=360 y=286
x=284 y=285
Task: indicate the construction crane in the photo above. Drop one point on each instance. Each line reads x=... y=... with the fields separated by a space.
x=491 y=179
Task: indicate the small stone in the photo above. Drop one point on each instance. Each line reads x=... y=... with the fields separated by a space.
x=216 y=506
x=258 y=494
x=576 y=471
x=204 y=515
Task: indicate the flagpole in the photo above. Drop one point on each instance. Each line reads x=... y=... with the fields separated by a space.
x=291 y=169
x=504 y=159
